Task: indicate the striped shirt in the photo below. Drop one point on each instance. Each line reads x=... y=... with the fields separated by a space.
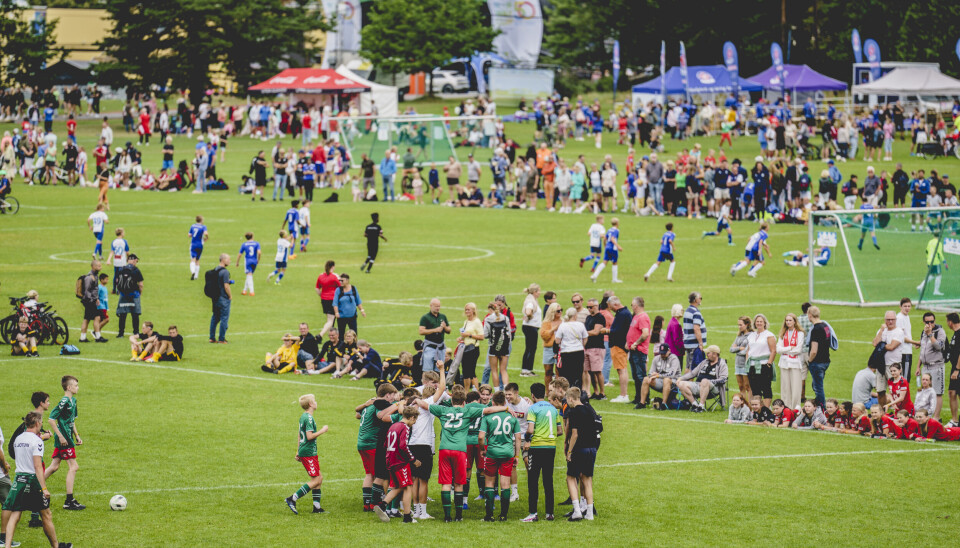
x=691 y=317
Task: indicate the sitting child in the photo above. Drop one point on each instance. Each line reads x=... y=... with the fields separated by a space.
x=348 y=357
x=141 y=342
x=898 y=388
x=782 y=417
x=285 y=359
x=859 y=422
x=326 y=360
x=761 y=415
x=836 y=420
x=810 y=417
x=371 y=365
x=739 y=412
x=397 y=371
x=24 y=340
x=167 y=348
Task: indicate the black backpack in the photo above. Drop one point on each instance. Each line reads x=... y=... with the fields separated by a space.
x=211 y=283
x=499 y=334
x=877 y=360
x=125 y=280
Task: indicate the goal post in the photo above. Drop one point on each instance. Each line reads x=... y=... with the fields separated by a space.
x=916 y=254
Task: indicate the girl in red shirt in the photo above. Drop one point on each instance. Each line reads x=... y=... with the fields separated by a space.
x=327 y=285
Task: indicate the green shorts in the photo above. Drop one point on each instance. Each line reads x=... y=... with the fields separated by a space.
x=26 y=495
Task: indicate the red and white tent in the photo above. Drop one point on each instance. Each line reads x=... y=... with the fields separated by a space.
x=310 y=80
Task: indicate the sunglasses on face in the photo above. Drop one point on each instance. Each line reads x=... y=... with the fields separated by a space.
x=929 y=321
x=576 y=302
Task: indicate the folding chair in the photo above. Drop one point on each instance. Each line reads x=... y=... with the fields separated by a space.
x=720 y=399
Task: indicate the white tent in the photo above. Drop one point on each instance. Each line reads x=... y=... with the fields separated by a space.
x=384 y=96
x=911 y=81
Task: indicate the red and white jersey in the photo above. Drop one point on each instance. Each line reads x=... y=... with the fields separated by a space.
x=909 y=430
x=398 y=453
x=786 y=417
x=900 y=387
x=862 y=424
x=837 y=420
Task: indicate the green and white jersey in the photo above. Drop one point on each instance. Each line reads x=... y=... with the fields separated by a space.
x=65 y=413
x=454 y=422
x=307 y=447
x=367 y=436
x=546 y=423
x=500 y=430
x=474 y=429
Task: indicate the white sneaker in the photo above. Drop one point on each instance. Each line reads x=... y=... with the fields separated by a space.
x=479 y=497
x=414 y=520
x=620 y=399
x=608 y=384
x=530 y=519
x=617 y=281
x=752 y=274
x=514 y=496
x=424 y=515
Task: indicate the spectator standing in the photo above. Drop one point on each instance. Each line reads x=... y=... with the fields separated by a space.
x=346 y=305
x=473 y=170
x=790 y=348
x=673 y=337
x=618 y=331
x=570 y=336
x=594 y=325
x=433 y=326
x=903 y=322
x=892 y=338
x=818 y=359
x=761 y=351
x=933 y=340
x=327 y=285
x=654 y=172
x=953 y=321
x=694 y=331
x=532 y=319
x=221 y=305
x=89 y=295
x=388 y=168
x=638 y=344
x=130 y=287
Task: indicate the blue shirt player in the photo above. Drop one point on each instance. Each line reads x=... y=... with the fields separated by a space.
x=667 y=249
x=198 y=235
x=868 y=223
x=920 y=189
x=292 y=220
x=611 y=252
x=754 y=254
x=250 y=251
x=723 y=223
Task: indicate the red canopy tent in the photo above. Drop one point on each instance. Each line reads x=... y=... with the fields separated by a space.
x=310 y=80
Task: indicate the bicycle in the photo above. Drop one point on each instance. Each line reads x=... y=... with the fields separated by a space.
x=9 y=205
x=39 y=175
x=50 y=328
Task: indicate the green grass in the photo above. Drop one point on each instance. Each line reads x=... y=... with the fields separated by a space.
x=203 y=449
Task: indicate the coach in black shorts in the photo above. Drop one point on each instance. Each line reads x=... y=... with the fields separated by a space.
x=953 y=347
x=581 y=453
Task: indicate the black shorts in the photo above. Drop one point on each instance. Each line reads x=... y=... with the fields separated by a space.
x=327 y=306
x=582 y=462
x=380 y=463
x=90 y=311
x=954 y=383
x=423 y=454
x=372 y=251
x=452 y=182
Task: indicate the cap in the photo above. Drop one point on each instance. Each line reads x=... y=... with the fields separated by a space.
x=758 y=159
x=133 y=256
x=944 y=176
x=830 y=161
x=664 y=348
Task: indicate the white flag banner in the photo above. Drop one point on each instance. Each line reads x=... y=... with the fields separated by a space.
x=345 y=18
x=520 y=23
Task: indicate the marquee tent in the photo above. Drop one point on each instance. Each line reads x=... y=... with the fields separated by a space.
x=799 y=78
x=911 y=81
x=385 y=97
x=310 y=80
x=703 y=79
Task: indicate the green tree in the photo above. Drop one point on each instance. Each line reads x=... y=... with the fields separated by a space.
x=418 y=35
x=174 y=43
x=25 y=47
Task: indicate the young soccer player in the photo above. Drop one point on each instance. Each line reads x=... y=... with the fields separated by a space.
x=41 y=404
x=307 y=455
x=898 y=388
x=931 y=429
x=167 y=348
x=304 y=220
x=373 y=233
x=754 y=252
x=475 y=449
x=596 y=233
x=96 y=222
x=66 y=438
x=867 y=224
x=518 y=408
x=250 y=251
x=292 y=220
x=782 y=415
x=762 y=416
x=141 y=342
x=119 y=247
x=667 y=249
x=367 y=440
x=284 y=243
x=908 y=428
x=103 y=295
x=581 y=454
x=540 y=443
x=198 y=235
x=611 y=253
x=399 y=459
x=723 y=223
x=24 y=340
x=384 y=406
x=500 y=433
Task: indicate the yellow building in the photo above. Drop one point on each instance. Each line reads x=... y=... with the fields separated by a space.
x=78 y=30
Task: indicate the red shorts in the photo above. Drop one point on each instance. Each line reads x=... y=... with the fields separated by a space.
x=400 y=477
x=64 y=454
x=311 y=465
x=452 y=466
x=475 y=454
x=367 y=456
x=503 y=467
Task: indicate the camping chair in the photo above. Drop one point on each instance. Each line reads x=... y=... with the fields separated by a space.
x=720 y=399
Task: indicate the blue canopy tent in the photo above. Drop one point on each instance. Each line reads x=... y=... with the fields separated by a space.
x=798 y=78
x=705 y=79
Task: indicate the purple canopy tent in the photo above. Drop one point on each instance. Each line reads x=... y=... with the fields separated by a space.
x=799 y=78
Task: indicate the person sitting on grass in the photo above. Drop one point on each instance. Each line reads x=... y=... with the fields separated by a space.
x=836 y=418
x=140 y=343
x=348 y=357
x=739 y=412
x=664 y=371
x=398 y=371
x=899 y=389
x=24 y=340
x=859 y=423
x=167 y=348
x=782 y=415
x=821 y=256
x=927 y=396
x=326 y=359
x=370 y=364
x=810 y=417
x=285 y=359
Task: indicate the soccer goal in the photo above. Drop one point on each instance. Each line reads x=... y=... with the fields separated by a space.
x=877 y=257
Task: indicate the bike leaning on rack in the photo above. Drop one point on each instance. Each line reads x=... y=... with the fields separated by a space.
x=50 y=328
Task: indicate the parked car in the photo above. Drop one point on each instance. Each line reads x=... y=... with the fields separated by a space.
x=448 y=81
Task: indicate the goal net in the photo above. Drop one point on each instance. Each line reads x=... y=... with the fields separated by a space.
x=877 y=257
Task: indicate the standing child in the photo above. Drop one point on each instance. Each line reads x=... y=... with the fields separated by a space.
x=667 y=250
x=104 y=317
x=307 y=455
x=611 y=252
x=754 y=252
x=596 y=233
x=417 y=185
x=373 y=233
x=250 y=251
x=304 y=221
x=723 y=223
x=198 y=235
x=433 y=178
x=399 y=459
x=500 y=433
x=119 y=247
x=284 y=243
x=96 y=222
x=292 y=220
x=66 y=438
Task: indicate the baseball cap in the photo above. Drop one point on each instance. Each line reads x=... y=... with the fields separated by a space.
x=664 y=348
x=830 y=161
x=133 y=256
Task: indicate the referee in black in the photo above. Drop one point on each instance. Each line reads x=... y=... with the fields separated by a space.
x=373 y=233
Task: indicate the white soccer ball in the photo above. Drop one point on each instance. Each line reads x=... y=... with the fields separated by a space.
x=118 y=503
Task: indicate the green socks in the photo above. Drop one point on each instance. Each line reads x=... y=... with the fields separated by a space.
x=490 y=494
x=504 y=501
x=304 y=489
x=445 y=500
x=458 y=504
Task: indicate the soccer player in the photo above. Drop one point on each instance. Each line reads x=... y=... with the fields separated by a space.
x=29 y=492
x=63 y=425
x=307 y=455
x=250 y=251
x=667 y=249
x=596 y=233
x=374 y=424
x=581 y=454
x=422 y=439
x=611 y=252
x=920 y=190
x=198 y=235
x=500 y=433
x=540 y=444
x=41 y=404
x=723 y=223
x=167 y=348
x=284 y=243
x=96 y=222
x=518 y=408
x=798 y=258
x=373 y=233
x=475 y=449
x=399 y=459
x=119 y=247
x=935 y=260
x=24 y=339
x=292 y=220
x=754 y=252
x=867 y=224
x=304 y=220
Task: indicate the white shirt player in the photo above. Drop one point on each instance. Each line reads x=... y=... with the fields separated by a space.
x=283 y=245
x=725 y=213
x=520 y=412
x=304 y=216
x=25 y=447
x=597 y=233
x=97 y=220
x=119 y=248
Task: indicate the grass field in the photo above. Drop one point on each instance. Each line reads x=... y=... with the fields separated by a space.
x=203 y=449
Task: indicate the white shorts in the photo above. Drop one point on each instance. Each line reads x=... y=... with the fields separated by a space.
x=721 y=193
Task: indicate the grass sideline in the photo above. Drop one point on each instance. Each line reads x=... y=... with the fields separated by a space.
x=204 y=449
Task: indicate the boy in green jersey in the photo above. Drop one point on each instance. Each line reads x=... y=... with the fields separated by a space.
x=540 y=441
x=475 y=450
x=500 y=434
x=376 y=415
x=63 y=422
x=307 y=454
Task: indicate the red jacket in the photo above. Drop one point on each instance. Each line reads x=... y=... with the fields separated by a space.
x=398 y=453
x=935 y=431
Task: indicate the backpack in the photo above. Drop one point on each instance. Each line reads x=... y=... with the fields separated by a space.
x=79 y=288
x=499 y=334
x=69 y=350
x=211 y=283
x=125 y=281
x=876 y=360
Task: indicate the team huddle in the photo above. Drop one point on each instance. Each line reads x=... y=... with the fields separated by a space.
x=486 y=430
